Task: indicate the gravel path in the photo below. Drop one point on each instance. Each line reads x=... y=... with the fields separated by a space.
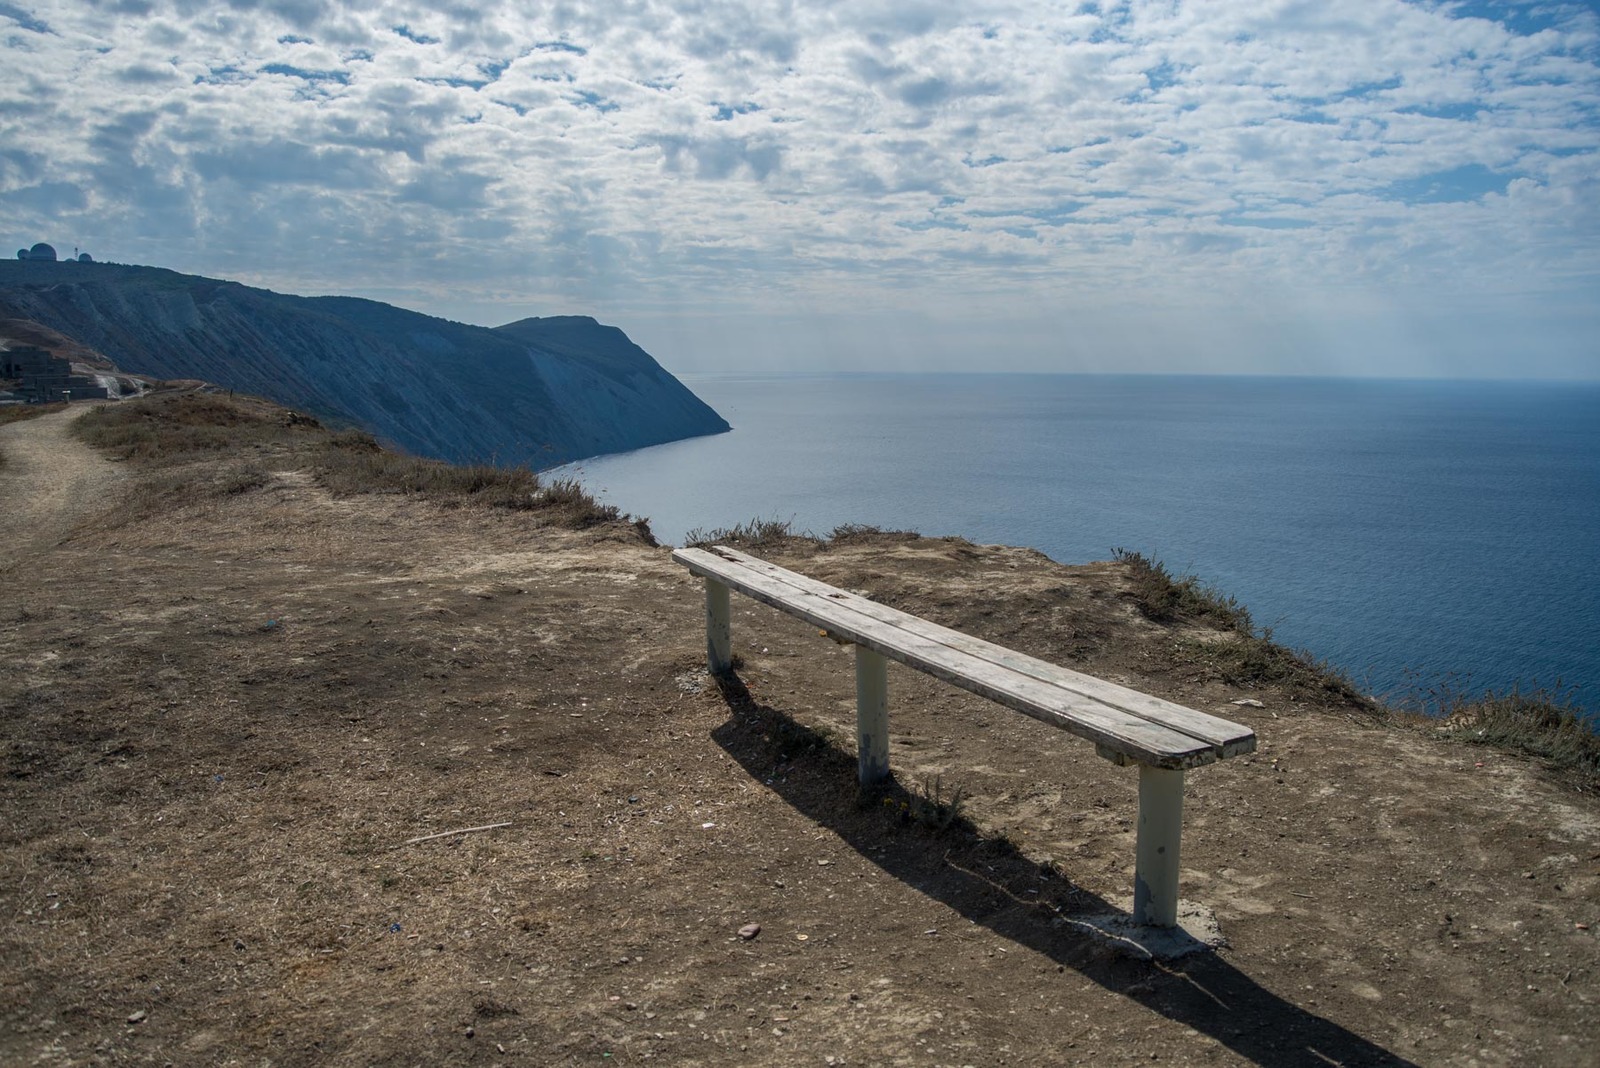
x=48 y=483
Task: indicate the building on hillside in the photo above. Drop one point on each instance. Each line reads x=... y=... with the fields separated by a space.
x=47 y=253
x=44 y=378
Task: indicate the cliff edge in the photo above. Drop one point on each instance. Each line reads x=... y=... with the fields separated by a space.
x=541 y=392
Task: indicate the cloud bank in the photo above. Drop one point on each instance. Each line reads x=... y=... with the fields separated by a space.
x=1363 y=186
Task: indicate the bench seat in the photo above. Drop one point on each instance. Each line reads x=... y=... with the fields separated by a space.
x=1136 y=726
x=1126 y=726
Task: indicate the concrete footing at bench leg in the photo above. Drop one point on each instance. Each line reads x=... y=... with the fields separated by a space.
x=1196 y=932
x=1155 y=873
x=719 y=632
x=872 y=716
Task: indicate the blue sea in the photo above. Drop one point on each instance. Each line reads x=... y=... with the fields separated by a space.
x=1412 y=533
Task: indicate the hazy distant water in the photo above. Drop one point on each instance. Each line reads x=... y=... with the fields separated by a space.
x=1391 y=527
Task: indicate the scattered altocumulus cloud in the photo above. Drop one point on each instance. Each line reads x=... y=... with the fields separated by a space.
x=1369 y=186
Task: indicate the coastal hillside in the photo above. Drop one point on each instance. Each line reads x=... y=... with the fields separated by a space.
x=539 y=392
x=315 y=754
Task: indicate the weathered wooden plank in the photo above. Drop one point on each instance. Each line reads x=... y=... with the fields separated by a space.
x=1230 y=739
x=1142 y=740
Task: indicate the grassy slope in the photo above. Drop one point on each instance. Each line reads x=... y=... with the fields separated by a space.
x=172 y=429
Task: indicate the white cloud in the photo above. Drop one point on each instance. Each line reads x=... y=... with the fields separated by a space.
x=1143 y=173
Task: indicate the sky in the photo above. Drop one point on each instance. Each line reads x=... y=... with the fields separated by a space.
x=1364 y=187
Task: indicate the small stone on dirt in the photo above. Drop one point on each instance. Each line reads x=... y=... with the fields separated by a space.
x=138 y=1017
x=749 y=931
x=1249 y=702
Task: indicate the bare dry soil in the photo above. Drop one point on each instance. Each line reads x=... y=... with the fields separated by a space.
x=225 y=719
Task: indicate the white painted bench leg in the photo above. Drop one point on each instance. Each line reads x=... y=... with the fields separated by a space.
x=719 y=633
x=1155 y=873
x=872 y=716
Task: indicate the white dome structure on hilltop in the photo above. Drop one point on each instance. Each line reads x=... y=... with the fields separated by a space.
x=47 y=253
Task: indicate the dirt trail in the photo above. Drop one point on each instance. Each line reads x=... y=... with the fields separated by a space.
x=49 y=482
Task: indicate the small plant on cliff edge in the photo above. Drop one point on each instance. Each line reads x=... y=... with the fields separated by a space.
x=1163 y=598
x=756 y=534
x=1538 y=724
x=1245 y=657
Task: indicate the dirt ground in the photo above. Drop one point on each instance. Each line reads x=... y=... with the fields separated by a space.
x=225 y=725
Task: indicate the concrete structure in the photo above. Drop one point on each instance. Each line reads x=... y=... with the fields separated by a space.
x=45 y=378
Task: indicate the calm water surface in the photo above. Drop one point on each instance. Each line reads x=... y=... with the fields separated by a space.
x=1406 y=531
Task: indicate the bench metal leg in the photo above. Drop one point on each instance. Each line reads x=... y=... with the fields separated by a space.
x=872 y=716
x=1155 y=873
x=719 y=634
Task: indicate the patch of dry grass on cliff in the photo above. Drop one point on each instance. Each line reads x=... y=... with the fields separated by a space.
x=1245 y=656
x=1163 y=597
x=1537 y=724
x=757 y=534
x=170 y=428
x=353 y=462
x=17 y=413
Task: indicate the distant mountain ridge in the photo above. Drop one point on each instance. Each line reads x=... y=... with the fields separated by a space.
x=540 y=391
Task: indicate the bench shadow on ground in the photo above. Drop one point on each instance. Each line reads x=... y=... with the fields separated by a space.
x=923 y=843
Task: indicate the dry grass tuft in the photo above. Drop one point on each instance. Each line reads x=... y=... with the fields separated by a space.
x=756 y=534
x=17 y=413
x=350 y=465
x=1251 y=660
x=1538 y=724
x=1245 y=656
x=174 y=429
x=866 y=533
x=353 y=463
x=169 y=428
x=1163 y=598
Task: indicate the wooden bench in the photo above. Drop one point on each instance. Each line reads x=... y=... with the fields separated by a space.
x=1126 y=726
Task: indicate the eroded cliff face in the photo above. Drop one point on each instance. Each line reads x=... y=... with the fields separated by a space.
x=539 y=392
